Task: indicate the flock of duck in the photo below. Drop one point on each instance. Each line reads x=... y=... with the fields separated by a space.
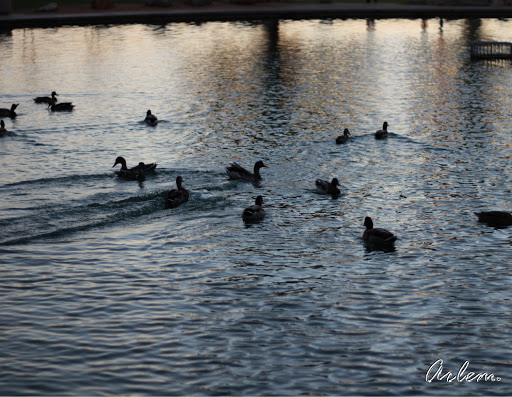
x=256 y=212
x=51 y=101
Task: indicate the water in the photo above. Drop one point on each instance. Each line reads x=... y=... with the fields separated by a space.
x=104 y=291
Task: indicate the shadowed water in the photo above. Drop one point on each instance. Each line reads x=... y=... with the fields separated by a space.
x=104 y=291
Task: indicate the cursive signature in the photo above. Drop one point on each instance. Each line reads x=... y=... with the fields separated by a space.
x=435 y=372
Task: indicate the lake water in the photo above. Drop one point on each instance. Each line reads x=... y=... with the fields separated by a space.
x=104 y=291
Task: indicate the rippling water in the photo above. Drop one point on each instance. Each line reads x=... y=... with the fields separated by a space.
x=104 y=291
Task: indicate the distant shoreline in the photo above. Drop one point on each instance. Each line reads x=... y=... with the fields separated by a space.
x=126 y=13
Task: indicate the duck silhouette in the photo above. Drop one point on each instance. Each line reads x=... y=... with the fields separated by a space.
x=343 y=138
x=47 y=99
x=254 y=212
x=495 y=218
x=150 y=119
x=9 y=112
x=236 y=171
x=381 y=134
x=325 y=187
x=377 y=236
x=177 y=196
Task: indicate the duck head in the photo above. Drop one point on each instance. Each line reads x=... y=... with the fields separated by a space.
x=368 y=223
x=14 y=106
x=120 y=160
x=385 y=126
x=179 y=181
x=346 y=132
x=259 y=164
x=259 y=200
x=148 y=113
x=335 y=182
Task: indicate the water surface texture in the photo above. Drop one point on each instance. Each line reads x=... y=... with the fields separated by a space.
x=104 y=291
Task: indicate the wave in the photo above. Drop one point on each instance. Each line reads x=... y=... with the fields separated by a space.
x=54 y=207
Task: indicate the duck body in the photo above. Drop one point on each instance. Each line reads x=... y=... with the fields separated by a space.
x=147 y=167
x=9 y=112
x=134 y=174
x=343 y=138
x=3 y=131
x=495 y=218
x=381 y=134
x=50 y=100
x=61 y=107
x=150 y=119
x=255 y=212
x=377 y=236
x=177 y=196
x=236 y=171
x=325 y=187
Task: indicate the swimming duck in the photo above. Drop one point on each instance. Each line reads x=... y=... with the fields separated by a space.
x=380 y=134
x=134 y=174
x=46 y=99
x=9 y=112
x=324 y=187
x=495 y=218
x=150 y=119
x=236 y=171
x=61 y=107
x=122 y=161
x=177 y=196
x=343 y=138
x=255 y=212
x=377 y=236
x=3 y=131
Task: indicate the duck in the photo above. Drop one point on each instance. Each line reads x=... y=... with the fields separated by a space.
x=61 y=107
x=150 y=119
x=9 y=112
x=3 y=131
x=134 y=174
x=47 y=99
x=495 y=218
x=377 y=236
x=125 y=169
x=325 y=187
x=380 y=134
x=236 y=171
x=254 y=212
x=177 y=196
x=343 y=138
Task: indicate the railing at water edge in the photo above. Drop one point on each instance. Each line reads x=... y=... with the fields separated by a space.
x=491 y=50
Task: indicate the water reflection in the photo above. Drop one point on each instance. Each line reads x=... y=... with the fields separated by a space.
x=209 y=291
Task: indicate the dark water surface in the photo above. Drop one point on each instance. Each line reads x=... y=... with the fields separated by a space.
x=104 y=291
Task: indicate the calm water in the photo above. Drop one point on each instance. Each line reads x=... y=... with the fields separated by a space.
x=104 y=291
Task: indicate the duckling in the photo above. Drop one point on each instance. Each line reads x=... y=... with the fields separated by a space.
x=236 y=171
x=177 y=196
x=380 y=134
x=377 y=236
x=9 y=112
x=324 y=187
x=46 y=99
x=343 y=138
x=495 y=218
x=255 y=212
x=122 y=161
x=3 y=131
x=61 y=107
x=150 y=119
